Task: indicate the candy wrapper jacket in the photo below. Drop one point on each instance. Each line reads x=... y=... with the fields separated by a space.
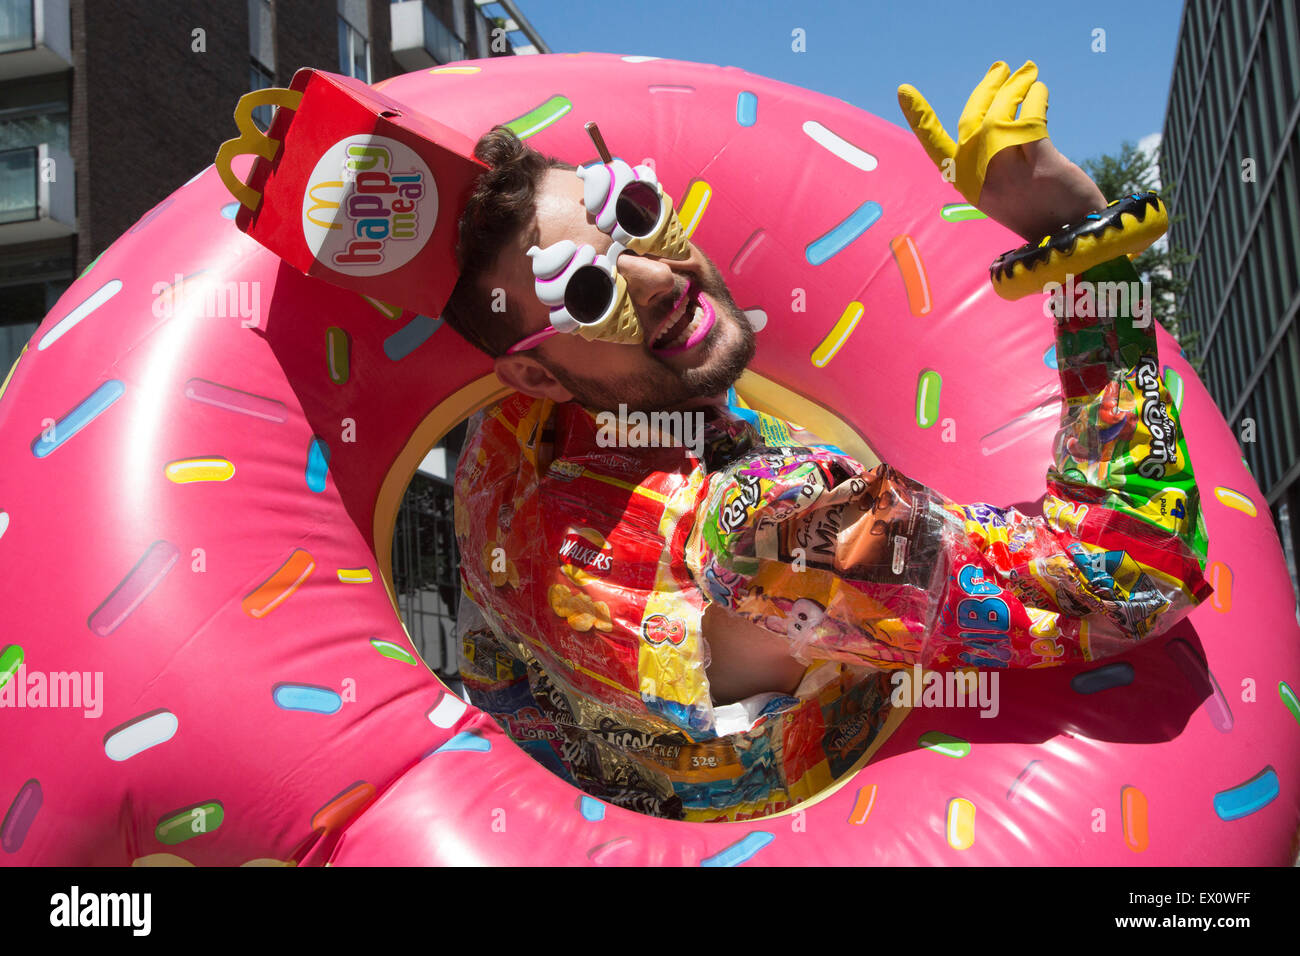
x=592 y=566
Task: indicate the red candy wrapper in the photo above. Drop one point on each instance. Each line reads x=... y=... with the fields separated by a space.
x=354 y=188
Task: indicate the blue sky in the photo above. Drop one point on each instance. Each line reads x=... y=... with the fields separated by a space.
x=861 y=51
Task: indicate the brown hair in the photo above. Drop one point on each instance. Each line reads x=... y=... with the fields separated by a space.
x=502 y=205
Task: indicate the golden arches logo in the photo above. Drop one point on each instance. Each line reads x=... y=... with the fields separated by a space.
x=252 y=141
x=325 y=205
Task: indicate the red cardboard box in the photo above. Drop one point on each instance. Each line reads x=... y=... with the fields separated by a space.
x=353 y=188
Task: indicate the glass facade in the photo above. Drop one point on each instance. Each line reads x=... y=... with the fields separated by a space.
x=22 y=307
x=1231 y=147
x=260 y=79
x=34 y=111
x=440 y=40
x=354 y=52
x=17 y=22
x=261 y=51
x=18 y=192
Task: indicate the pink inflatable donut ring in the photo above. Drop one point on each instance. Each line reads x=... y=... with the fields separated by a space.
x=202 y=453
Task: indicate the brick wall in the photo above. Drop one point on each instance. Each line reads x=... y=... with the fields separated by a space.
x=148 y=110
x=382 y=64
x=306 y=34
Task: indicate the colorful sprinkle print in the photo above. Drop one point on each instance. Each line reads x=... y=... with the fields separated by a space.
x=154 y=442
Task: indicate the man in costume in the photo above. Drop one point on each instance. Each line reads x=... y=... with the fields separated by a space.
x=707 y=633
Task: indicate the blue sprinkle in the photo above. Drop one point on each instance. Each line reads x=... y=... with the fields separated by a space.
x=839 y=238
x=94 y=405
x=1093 y=215
x=466 y=740
x=316 y=700
x=230 y=210
x=1049 y=358
x=318 y=464
x=741 y=850
x=410 y=337
x=591 y=809
x=746 y=108
x=1103 y=678
x=1257 y=792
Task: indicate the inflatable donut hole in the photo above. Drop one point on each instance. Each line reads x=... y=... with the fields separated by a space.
x=448 y=419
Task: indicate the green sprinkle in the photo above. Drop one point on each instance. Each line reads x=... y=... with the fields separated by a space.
x=189 y=823
x=960 y=212
x=945 y=744
x=1289 y=698
x=11 y=658
x=389 y=649
x=86 y=271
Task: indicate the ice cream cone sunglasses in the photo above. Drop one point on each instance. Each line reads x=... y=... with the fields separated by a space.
x=583 y=290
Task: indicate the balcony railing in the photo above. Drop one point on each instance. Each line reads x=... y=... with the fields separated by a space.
x=19 y=195
x=17 y=25
x=35 y=37
x=422 y=40
x=444 y=45
x=37 y=194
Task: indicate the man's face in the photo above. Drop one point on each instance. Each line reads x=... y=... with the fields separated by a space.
x=673 y=367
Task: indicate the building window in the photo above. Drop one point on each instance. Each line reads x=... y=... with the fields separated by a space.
x=354 y=52
x=18 y=189
x=32 y=113
x=439 y=39
x=16 y=26
x=259 y=78
x=261 y=52
x=22 y=307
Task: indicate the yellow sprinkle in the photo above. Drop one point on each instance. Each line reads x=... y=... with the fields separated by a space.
x=1235 y=499
x=355 y=575
x=692 y=208
x=455 y=69
x=199 y=469
x=4 y=385
x=161 y=859
x=336 y=352
x=838 y=334
x=961 y=823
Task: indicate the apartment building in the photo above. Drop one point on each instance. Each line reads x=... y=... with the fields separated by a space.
x=1231 y=148
x=107 y=106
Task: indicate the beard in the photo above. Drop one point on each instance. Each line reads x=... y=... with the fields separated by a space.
x=662 y=387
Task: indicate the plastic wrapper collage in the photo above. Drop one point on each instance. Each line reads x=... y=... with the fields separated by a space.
x=589 y=569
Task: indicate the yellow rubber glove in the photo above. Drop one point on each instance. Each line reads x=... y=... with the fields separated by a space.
x=987 y=126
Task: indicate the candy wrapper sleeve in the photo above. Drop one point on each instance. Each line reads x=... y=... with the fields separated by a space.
x=869 y=566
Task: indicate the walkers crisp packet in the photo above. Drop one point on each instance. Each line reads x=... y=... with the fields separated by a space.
x=353 y=188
